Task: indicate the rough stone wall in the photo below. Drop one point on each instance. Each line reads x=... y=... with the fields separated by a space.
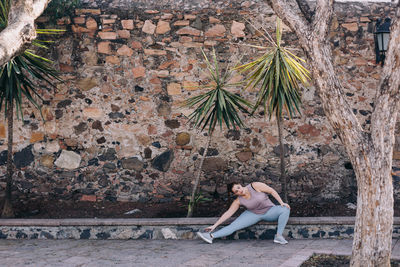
x=173 y=232
x=115 y=130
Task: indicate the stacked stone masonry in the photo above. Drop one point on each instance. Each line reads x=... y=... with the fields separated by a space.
x=170 y=232
x=115 y=130
x=181 y=228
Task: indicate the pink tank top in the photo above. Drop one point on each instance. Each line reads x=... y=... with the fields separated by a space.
x=258 y=203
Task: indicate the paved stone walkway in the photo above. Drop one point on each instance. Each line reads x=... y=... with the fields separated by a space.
x=85 y=253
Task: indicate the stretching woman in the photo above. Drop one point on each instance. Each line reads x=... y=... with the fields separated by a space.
x=259 y=207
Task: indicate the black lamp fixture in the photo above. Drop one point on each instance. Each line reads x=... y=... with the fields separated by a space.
x=381 y=34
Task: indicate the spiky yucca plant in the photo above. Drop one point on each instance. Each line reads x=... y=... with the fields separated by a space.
x=278 y=74
x=215 y=107
x=18 y=79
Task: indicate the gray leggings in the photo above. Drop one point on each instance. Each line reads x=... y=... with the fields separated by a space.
x=247 y=218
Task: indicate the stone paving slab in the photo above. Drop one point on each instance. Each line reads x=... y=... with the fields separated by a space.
x=138 y=253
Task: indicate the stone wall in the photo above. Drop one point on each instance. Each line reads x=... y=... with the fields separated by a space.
x=115 y=130
x=171 y=232
x=178 y=228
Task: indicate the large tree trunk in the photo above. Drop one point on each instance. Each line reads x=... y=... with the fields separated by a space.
x=282 y=156
x=8 y=211
x=373 y=236
x=192 y=201
x=21 y=27
x=371 y=157
x=370 y=151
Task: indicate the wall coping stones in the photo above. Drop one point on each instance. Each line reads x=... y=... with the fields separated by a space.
x=92 y=7
x=170 y=221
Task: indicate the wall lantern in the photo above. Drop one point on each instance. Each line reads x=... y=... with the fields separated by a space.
x=382 y=32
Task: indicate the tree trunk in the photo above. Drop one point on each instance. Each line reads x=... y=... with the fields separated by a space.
x=282 y=156
x=371 y=156
x=196 y=181
x=370 y=151
x=21 y=27
x=7 y=208
x=373 y=236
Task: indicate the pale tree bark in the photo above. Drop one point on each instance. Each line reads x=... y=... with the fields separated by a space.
x=370 y=152
x=21 y=27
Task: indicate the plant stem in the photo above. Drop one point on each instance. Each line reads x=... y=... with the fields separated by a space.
x=7 y=208
x=196 y=181
x=282 y=156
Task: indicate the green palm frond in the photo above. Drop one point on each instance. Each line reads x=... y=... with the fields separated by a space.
x=278 y=73
x=20 y=76
x=49 y=31
x=4 y=8
x=217 y=106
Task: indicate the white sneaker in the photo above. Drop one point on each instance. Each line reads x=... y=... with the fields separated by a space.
x=280 y=240
x=205 y=236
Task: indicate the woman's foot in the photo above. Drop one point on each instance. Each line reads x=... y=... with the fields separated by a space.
x=280 y=240
x=205 y=236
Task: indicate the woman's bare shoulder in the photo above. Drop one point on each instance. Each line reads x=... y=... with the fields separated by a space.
x=257 y=185
x=261 y=187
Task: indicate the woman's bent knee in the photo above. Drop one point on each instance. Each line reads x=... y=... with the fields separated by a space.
x=286 y=210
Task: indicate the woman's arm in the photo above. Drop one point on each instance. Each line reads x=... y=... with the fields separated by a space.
x=261 y=187
x=232 y=209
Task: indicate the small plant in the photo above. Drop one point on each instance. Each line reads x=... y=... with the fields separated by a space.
x=278 y=73
x=217 y=106
x=18 y=79
x=199 y=198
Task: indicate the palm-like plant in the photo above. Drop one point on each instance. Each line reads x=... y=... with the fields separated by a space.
x=278 y=73
x=18 y=78
x=215 y=107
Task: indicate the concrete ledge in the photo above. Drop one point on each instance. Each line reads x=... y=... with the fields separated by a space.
x=170 y=221
x=167 y=221
x=172 y=228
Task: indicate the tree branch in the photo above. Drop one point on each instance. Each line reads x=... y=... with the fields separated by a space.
x=312 y=39
x=21 y=27
x=322 y=19
x=329 y=87
x=306 y=10
x=298 y=24
x=388 y=97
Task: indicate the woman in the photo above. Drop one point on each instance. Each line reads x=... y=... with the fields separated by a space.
x=259 y=207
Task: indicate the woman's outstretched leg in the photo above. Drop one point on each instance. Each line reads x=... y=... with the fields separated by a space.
x=246 y=219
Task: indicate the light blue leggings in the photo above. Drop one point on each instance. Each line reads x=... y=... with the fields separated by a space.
x=248 y=218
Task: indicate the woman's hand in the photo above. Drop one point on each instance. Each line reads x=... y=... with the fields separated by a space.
x=209 y=229
x=285 y=205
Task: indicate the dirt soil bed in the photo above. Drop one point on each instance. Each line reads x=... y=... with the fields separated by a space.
x=107 y=209
x=318 y=260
